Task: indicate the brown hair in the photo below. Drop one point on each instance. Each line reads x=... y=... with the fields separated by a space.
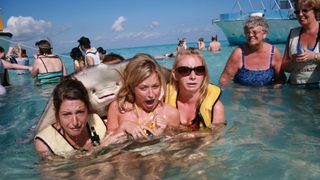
x=70 y=89
x=314 y=4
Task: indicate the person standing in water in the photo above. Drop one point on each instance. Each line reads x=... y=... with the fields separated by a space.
x=47 y=67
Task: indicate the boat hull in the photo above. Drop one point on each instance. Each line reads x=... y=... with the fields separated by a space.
x=5 y=40
x=278 y=30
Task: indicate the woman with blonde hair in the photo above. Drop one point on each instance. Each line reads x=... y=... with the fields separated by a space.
x=191 y=93
x=138 y=109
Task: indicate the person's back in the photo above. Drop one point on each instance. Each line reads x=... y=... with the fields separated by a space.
x=214 y=46
x=92 y=56
x=47 y=67
x=201 y=44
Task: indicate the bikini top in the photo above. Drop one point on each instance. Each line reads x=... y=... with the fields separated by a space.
x=49 y=77
x=46 y=66
x=197 y=121
x=249 y=77
x=149 y=121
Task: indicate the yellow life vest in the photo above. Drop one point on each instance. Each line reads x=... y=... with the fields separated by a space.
x=206 y=107
x=60 y=146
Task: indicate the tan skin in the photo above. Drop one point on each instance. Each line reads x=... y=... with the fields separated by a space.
x=52 y=64
x=72 y=119
x=257 y=57
x=147 y=100
x=8 y=65
x=89 y=60
x=189 y=94
x=308 y=39
x=214 y=46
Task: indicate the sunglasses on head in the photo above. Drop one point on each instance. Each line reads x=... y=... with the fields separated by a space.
x=304 y=11
x=186 y=71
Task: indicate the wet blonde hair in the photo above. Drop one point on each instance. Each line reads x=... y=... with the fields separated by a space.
x=140 y=67
x=197 y=54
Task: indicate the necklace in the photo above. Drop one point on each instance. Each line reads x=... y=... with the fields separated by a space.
x=148 y=121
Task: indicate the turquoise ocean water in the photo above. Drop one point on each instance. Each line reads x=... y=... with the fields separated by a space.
x=271 y=134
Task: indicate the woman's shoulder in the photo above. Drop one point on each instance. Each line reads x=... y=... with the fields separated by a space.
x=169 y=109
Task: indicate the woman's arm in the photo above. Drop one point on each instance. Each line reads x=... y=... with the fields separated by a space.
x=8 y=65
x=113 y=116
x=172 y=116
x=218 y=114
x=35 y=68
x=280 y=77
x=232 y=66
x=90 y=61
x=42 y=149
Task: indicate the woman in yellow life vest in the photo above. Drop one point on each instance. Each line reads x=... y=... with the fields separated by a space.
x=76 y=127
x=190 y=92
x=138 y=109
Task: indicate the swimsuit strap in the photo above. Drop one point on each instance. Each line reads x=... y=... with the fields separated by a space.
x=198 y=119
x=43 y=64
x=242 y=52
x=271 y=55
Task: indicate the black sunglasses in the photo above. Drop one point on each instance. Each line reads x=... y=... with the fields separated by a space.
x=186 y=71
x=304 y=11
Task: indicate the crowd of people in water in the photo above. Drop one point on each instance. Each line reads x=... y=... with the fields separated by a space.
x=152 y=101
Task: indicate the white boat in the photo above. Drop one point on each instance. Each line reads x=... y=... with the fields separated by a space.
x=5 y=37
x=279 y=16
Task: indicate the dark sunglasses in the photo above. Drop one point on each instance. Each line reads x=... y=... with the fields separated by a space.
x=304 y=11
x=186 y=71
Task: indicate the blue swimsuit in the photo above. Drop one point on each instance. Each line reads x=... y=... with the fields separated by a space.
x=249 y=77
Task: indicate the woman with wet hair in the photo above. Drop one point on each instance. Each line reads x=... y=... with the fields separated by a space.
x=139 y=109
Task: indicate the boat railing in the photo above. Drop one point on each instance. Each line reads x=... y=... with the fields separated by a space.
x=283 y=10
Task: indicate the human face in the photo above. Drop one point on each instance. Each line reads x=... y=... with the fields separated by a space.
x=255 y=35
x=147 y=93
x=305 y=15
x=73 y=117
x=190 y=82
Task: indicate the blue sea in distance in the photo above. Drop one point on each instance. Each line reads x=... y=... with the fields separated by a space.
x=271 y=134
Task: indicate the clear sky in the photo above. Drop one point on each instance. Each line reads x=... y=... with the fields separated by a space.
x=112 y=23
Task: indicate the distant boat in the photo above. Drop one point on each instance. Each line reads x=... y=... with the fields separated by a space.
x=5 y=37
x=280 y=18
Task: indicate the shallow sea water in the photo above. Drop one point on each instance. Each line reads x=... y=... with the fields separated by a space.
x=271 y=134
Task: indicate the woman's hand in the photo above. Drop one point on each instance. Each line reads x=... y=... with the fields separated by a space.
x=136 y=130
x=161 y=124
x=306 y=55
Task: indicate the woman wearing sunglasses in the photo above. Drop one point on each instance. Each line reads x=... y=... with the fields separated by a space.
x=256 y=63
x=301 y=58
x=190 y=92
